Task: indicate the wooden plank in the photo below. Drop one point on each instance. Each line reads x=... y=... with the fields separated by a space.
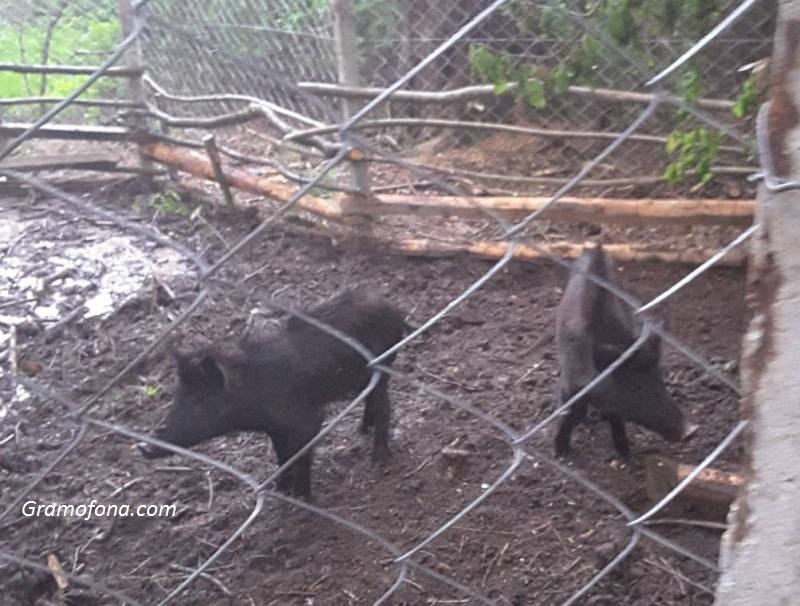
x=711 y=487
x=54 y=162
x=619 y=252
x=68 y=131
x=588 y=210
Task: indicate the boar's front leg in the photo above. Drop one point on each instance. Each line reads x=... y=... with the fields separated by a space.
x=377 y=416
x=619 y=437
x=296 y=480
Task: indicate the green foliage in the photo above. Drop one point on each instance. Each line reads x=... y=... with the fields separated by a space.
x=620 y=22
x=690 y=83
x=747 y=99
x=490 y=68
x=78 y=38
x=150 y=391
x=167 y=203
x=696 y=150
x=497 y=69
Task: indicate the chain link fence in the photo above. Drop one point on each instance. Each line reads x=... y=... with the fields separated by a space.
x=210 y=50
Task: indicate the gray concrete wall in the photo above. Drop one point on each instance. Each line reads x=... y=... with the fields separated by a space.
x=760 y=556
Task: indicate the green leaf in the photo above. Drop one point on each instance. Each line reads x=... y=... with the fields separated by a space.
x=561 y=79
x=500 y=86
x=534 y=93
x=673 y=142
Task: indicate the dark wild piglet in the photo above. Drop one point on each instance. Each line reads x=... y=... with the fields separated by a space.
x=279 y=383
x=594 y=327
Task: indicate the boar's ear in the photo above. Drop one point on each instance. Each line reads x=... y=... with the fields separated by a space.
x=199 y=369
x=186 y=363
x=229 y=369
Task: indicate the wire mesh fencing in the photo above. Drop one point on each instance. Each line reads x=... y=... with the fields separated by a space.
x=218 y=54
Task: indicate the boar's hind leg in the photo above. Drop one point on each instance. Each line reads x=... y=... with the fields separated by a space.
x=619 y=437
x=377 y=415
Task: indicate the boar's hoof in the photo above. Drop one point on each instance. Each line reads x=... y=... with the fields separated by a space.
x=380 y=455
x=689 y=431
x=151 y=451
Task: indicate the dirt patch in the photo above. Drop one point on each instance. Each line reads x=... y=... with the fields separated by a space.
x=537 y=540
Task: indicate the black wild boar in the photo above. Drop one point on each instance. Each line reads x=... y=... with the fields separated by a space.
x=594 y=327
x=279 y=383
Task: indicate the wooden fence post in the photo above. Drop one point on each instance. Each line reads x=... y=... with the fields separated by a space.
x=347 y=60
x=134 y=58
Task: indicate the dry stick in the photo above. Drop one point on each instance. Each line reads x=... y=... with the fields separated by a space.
x=71 y=70
x=688 y=522
x=220 y=121
x=681 y=576
x=471 y=92
x=648 y=180
x=493 y=126
x=203 y=575
x=213 y=154
x=90 y=102
x=228 y=97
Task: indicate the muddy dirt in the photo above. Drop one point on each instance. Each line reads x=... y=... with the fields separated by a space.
x=536 y=540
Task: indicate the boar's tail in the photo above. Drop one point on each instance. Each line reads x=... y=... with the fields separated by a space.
x=597 y=259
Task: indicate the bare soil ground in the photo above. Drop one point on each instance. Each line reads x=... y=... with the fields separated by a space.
x=537 y=540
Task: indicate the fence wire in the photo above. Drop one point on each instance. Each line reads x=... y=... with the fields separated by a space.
x=211 y=49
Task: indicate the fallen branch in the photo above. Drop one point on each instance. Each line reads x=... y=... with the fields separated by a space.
x=471 y=92
x=220 y=121
x=495 y=250
x=229 y=97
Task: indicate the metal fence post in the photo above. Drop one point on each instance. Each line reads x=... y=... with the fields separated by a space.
x=347 y=63
x=134 y=58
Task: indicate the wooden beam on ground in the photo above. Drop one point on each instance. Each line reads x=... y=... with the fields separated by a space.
x=56 y=162
x=11 y=187
x=68 y=131
x=619 y=252
x=588 y=210
x=200 y=166
x=711 y=487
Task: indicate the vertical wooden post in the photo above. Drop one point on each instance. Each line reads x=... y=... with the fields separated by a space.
x=761 y=550
x=347 y=67
x=216 y=164
x=134 y=58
